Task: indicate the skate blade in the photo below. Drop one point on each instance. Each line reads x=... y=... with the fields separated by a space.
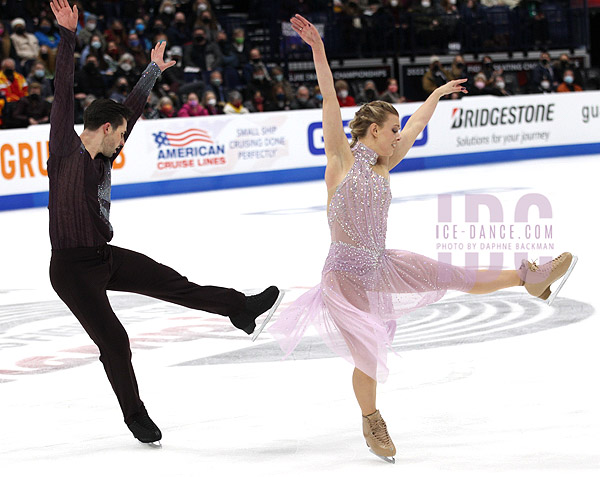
x=153 y=445
x=389 y=460
x=259 y=330
x=564 y=279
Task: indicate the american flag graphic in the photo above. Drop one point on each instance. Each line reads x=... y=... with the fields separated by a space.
x=181 y=139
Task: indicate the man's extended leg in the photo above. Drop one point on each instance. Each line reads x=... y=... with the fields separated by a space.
x=137 y=273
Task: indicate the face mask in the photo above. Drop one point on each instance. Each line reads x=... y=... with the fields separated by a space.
x=96 y=45
x=19 y=30
x=500 y=85
x=255 y=60
x=488 y=65
x=545 y=84
x=90 y=67
x=394 y=3
x=479 y=84
x=302 y=100
x=126 y=67
x=425 y=4
x=460 y=66
x=280 y=97
x=258 y=100
x=279 y=77
x=45 y=29
x=568 y=79
x=1 y=31
x=167 y=109
x=122 y=88
x=90 y=26
x=452 y=2
x=259 y=77
x=193 y=103
x=34 y=96
x=239 y=41
x=370 y=94
x=9 y=73
x=393 y=88
x=199 y=38
x=206 y=19
x=211 y=102
x=217 y=82
x=436 y=67
x=545 y=62
x=39 y=73
x=202 y=7
x=343 y=93
x=168 y=10
x=319 y=96
x=140 y=27
x=134 y=43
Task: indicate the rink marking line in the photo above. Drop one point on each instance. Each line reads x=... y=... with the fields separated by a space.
x=61 y=344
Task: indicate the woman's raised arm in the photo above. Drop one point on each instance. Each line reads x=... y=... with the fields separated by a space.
x=337 y=148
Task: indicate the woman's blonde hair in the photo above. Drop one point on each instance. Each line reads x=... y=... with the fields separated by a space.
x=373 y=112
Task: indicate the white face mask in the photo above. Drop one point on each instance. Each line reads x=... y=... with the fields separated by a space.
x=90 y=26
x=168 y=10
x=500 y=85
x=394 y=3
x=126 y=67
x=343 y=93
x=452 y=2
x=426 y=4
x=545 y=84
x=211 y=102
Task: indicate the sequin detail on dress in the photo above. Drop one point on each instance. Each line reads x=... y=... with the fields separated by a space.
x=365 y=287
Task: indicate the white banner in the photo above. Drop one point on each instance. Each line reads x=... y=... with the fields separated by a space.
x=472 y=130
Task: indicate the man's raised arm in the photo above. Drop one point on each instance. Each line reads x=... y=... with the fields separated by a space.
x=63 y=139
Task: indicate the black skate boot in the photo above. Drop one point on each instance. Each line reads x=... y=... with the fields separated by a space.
x=144 y=429
x=256 y=305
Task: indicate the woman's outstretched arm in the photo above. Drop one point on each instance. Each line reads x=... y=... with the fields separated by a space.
x=337 y=149
x=421 y=117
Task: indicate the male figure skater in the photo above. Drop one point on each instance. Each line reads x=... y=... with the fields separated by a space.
x=83 y=265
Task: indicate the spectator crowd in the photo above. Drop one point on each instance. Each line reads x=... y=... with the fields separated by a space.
x=218 y=70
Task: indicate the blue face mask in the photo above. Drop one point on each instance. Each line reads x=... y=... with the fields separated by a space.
x=140 y=27
x=134 y=43
x=568 y=79
x=319 y=96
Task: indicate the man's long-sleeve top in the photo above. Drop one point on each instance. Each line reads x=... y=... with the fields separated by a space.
x=79 y=203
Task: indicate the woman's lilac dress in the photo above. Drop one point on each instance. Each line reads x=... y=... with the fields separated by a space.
x=365 y=287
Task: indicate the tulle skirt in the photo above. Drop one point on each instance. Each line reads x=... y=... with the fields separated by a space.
x=361 y=295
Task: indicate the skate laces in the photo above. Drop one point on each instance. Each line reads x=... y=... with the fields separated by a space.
x=379 y=431
x=534 y=267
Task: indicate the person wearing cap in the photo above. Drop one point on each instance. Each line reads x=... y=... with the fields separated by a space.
x=91 y=29
x=174 y=77
x=26 y=44
x=435 y=76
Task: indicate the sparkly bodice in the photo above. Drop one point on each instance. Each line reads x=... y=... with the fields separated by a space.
x=359 y=207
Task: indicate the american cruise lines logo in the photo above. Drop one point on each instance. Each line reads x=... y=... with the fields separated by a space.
x=190 y=148
x=182 y=139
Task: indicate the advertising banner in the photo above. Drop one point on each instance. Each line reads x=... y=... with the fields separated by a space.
x=190 y=154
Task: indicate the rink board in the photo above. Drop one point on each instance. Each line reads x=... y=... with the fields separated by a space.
x=194 y=154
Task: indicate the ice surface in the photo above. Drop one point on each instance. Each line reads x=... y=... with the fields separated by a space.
x=481 y=385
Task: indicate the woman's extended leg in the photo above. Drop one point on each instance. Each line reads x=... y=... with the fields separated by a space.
x=487 y=281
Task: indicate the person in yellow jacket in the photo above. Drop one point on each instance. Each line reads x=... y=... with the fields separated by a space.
x=13 y=85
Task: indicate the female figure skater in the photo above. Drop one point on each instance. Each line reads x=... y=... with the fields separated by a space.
x=365 y=287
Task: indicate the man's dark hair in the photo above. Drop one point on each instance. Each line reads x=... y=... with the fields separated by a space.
x=105 y=111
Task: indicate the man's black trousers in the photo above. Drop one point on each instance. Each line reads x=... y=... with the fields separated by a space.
x=81 y=277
